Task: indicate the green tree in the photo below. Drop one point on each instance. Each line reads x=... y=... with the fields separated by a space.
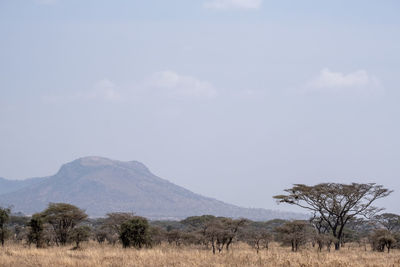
x=80 y=234
x=63 y=218
x=135 y=233
x=336 y=204
x=36 y=230
x=4 y=218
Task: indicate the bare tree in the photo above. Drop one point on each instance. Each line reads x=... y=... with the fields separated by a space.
x=335 y=203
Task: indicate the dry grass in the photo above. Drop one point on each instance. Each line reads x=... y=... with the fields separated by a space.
x=241 y=255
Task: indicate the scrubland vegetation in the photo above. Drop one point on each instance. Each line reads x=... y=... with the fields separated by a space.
x=343 y=230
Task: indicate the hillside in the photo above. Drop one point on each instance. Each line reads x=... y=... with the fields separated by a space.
x=8 y=186
x=101 y=185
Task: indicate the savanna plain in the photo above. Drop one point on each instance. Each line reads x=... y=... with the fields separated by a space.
x=93 y=254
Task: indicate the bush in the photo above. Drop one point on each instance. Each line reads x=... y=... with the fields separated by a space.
x=135 y=233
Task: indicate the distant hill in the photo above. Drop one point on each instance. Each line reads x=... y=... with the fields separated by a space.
x=8 y=186
x=101 y=185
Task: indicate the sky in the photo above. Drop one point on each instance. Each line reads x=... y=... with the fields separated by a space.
x=232 y=99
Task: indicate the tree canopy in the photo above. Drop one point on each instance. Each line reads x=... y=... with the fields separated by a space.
x=336 y=203
x=63 y=218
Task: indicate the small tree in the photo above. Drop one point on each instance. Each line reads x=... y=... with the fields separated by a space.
x=157 y=235
x=324 y=240
x=200 y=225
x=294 y=233
x=213 y=232
x=112 y=225
x=232 y=227
x=63 y=218
x=135 y=233
x=100 y=236
x=4 y=218
x=336 y=204
x=382 y=239
x=36 y=230
x=174 y=237
x=80 y=234
x=258 y=238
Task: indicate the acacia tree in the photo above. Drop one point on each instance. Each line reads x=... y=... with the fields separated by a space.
x=200 y=225
x=389 y=221
x=232 y=227
x=4 y=218
x=295 y=233
x=214 y=233
x=257 y=238
x=80 y=234
x=382 y=238
x=336 y=203
x=63 y=218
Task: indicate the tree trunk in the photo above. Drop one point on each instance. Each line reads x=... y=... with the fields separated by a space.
x=228 y=244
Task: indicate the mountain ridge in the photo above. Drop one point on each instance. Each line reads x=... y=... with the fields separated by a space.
x=101 y=185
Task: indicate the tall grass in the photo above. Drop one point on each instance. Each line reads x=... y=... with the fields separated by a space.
x=240 y=255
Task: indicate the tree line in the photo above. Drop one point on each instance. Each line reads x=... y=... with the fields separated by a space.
x=341 y=214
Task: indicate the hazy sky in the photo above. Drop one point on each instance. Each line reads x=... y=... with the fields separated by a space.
x=233 y=99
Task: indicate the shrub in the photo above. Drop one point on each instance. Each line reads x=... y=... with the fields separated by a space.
x=135 y=233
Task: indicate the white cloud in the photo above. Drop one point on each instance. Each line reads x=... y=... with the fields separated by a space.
x=160 y=84
x=336 y=82
x=106 y=90
x=172 y=83
x=233 y=4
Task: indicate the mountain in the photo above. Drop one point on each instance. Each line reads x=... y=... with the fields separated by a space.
x=8 y=186
x=101 y=185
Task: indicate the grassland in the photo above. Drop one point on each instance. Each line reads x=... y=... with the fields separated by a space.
x=240 y=255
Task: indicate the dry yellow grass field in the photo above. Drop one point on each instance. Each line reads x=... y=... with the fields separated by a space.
x=241 y=255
